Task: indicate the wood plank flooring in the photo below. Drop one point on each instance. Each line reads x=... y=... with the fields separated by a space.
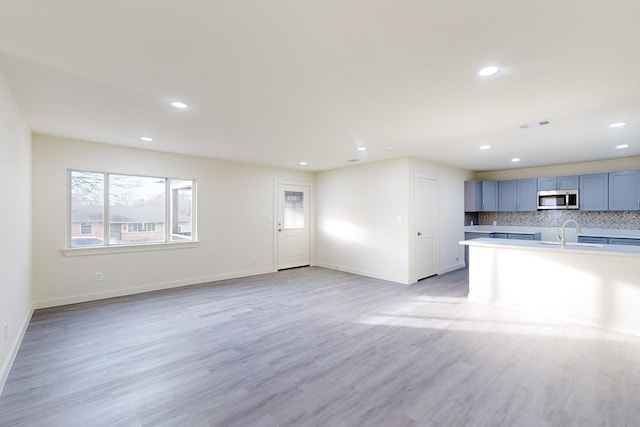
x=315 y=347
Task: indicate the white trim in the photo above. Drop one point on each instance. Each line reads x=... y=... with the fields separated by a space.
x=366 y=273
x=451 y=268
x=119 y=249
x=54 y=302
x=13 y=352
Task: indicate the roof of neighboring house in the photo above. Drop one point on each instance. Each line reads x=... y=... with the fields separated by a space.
x=93 y=213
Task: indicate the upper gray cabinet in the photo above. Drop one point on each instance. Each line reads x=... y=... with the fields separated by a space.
x=472 y=196
x=559 y=183
x=594 y=192
x=568 y=182
x=507 y=196
x=624 y=191
x=526 y=195
x=489 y=196
x=481 y=196
x=518 y=195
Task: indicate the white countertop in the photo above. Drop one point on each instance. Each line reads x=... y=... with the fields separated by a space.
x=538 y=245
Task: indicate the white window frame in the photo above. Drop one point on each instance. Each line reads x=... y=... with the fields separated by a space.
x=130 y=247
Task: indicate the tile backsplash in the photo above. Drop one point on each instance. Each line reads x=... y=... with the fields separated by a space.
x=628 y=220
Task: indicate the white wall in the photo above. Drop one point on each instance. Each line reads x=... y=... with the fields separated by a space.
x=362 y=219
x=235 y=222
x=15 y=217
x=365 y=218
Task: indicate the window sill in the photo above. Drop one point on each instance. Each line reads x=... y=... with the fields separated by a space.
x=121 y=249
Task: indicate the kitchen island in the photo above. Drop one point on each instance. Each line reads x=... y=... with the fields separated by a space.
x=596 y=285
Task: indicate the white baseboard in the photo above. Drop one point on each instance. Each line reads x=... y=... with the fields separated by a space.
x=451 y=268
x=6 y=367
x=54 y=302
x=375 y=275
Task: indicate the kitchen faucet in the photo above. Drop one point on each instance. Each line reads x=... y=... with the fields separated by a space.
x=561 y=237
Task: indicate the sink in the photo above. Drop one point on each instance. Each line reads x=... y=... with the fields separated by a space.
x=574 y=244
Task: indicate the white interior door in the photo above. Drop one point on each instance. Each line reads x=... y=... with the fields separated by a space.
x=425 y=205
x=293 y=226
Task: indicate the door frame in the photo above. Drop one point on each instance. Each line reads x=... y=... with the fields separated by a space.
x=312 y=252
x=412 y=240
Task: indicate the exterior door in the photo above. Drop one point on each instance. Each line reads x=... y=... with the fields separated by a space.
x=426 y=262
x=293 y=226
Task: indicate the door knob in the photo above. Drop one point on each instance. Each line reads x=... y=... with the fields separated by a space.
x=419 y=233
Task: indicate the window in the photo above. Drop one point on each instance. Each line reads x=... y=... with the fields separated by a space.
x=293 y=209
x=139 y=209
x=139 y=227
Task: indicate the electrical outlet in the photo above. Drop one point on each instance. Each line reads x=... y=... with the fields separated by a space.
x=6 y=330
x=99 y=277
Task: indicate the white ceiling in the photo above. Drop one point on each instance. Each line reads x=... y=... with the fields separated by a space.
x=277 y=82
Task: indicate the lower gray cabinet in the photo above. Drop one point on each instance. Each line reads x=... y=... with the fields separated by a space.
x=593 y=239
x=518 y=236
x=624 y=241
x=609 y=240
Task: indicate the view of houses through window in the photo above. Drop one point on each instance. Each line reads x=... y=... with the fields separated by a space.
x=140 y=209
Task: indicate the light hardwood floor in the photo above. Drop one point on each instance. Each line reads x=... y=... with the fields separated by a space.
x=315 y=347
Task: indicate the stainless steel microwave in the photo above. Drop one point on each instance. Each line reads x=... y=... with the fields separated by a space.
x=558 y=199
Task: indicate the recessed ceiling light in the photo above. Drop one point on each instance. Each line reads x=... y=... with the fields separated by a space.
x=146 y=138
x=388 y=146
x=303 y=163
x=622 y=146
x=515 y=160
x=485 y=147
x=617 y=125
x=362 y=148
x=178 y=104
x=487 y=71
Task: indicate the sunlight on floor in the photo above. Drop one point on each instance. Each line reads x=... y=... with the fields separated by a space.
x=457 y=314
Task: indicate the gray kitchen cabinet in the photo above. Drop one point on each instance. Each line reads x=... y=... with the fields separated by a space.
x=489 y=196
x=520 y=236
x=500 y=235
x=624 y=191
x=526 y=195
x=518 y=195
x=593 y=239
x=473 y=196
x=594 y=192
x=559 y=183
x=624 y=241
x=547 y=184
x=609 y=240
x=568 y=182
x=507 y=196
